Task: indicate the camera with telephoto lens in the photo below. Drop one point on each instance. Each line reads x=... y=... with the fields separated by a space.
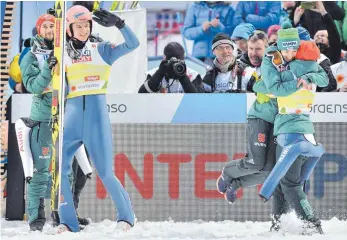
x=178 y=66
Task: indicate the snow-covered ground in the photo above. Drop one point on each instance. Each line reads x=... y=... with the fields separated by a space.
x=334 y=230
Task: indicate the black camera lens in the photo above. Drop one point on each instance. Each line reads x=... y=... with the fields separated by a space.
x=178 y=66
x=179 y=69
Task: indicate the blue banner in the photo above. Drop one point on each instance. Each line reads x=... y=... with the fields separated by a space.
x=212 y=108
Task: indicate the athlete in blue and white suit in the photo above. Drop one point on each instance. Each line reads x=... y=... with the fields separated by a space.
x=88 y=66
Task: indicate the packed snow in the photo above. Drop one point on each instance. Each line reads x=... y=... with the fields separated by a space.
x=333 y=229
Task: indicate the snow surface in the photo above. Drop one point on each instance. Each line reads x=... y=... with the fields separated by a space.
x=334 y=230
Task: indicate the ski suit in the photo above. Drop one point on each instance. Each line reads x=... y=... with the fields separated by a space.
x=87 y=121
x=261 y=148
x=294 y=131
x=37 y=76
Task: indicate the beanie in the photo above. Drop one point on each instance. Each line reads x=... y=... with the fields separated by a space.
x=243 y=31
x=303 y=34
x=42 y=19
x=174 y=49
x=288 y=37
x=222 y=38
x=273 y=30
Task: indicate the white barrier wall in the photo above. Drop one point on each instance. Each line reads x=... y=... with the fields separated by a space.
x=169 y=149
x=193 y=108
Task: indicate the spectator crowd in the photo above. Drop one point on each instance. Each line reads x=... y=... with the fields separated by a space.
x=251 y=27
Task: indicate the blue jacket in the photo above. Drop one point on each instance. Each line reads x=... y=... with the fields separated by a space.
x=260 y=14
x=196 y=15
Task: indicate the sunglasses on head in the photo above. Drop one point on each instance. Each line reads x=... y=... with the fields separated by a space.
x=258 y=35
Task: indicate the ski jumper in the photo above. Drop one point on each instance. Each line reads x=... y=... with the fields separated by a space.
x=293 y=128
x=87 y=122
x=36 y=76
x=261 y=147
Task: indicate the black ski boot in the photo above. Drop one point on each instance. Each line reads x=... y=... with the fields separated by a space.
x=55 y=218
x=312 y=226
x=82 y=221
x=37 y=225
x=275 y=224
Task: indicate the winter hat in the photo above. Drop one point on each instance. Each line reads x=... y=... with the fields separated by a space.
x=288 y=37
x=222 y=38
x=242 y=31
x=42 y=19
x=174 y=49
x=273 y=30
x=303 y=34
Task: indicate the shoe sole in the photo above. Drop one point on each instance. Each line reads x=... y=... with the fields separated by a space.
x=218 y=187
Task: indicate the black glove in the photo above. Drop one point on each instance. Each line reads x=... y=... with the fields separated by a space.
x=107 y=19
x=163 y=67
x=52 y=61
x=154 y=82
x=241 y=66
x=187 y=85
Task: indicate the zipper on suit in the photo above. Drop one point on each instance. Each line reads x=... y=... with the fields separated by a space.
x=38 y=132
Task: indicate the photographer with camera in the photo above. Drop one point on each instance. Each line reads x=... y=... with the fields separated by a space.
x=172 y=76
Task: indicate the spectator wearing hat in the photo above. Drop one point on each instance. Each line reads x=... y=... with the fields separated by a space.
x=221 y=78
x=241 y=34
x=272 y=33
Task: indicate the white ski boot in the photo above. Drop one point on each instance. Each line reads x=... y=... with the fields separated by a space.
x=123 y=226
